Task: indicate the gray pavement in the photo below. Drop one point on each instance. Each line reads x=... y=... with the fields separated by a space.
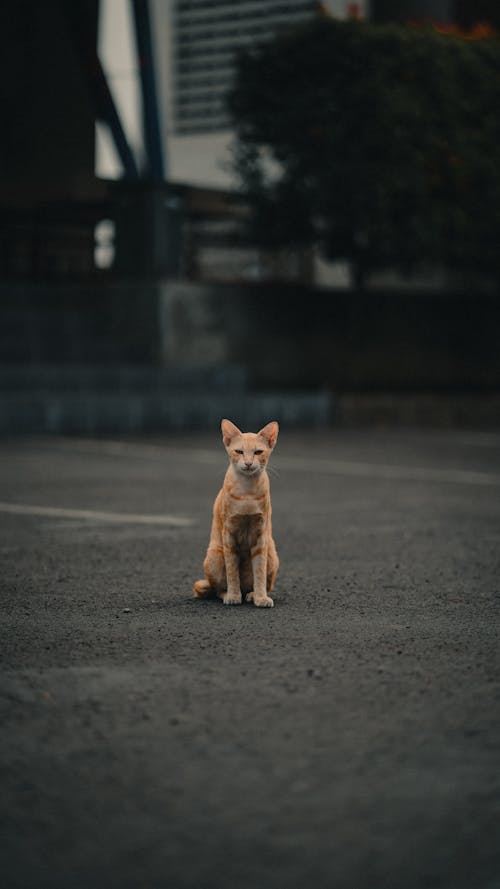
x=349 y=738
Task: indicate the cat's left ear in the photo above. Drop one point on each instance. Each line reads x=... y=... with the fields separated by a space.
x=270 y=433
x=229 y=431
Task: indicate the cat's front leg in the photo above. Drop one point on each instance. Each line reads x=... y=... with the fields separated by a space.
x=231 y=558
x=259 y=595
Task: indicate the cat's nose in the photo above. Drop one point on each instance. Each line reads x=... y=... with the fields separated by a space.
x=248 y=465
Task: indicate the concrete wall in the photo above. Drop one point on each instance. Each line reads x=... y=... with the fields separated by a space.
x=101 y=323
x=293 y=336
x=283 y=335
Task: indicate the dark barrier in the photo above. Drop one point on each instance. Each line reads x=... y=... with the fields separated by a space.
x=282 y=335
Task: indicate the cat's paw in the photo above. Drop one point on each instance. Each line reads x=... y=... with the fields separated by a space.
x=260 y=601
x=231 y=599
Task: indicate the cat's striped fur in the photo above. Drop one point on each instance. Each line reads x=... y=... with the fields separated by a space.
x=241 y=560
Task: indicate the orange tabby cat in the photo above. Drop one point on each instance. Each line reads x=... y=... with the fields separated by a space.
x=241 y=556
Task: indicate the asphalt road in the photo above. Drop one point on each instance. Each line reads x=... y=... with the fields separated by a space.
x=349 y=738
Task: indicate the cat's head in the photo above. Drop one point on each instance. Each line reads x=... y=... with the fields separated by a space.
x=249 y=451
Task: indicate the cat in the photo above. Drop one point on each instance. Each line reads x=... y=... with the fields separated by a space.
x=241 y=558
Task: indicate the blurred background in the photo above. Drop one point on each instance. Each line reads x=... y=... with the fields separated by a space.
x=260 y=209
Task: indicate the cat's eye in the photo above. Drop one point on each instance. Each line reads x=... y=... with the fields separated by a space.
x=237 y=451
x=258 y=452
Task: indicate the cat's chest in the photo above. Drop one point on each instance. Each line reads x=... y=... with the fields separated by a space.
x=246 y=529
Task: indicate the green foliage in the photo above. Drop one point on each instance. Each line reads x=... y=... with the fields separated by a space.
x=380 y=144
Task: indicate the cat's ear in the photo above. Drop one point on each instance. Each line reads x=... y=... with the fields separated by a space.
x=229 y=431
x=270 y=433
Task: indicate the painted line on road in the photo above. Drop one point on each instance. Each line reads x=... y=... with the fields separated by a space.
x=125 y=449
x=311 y=465
x=94 y=515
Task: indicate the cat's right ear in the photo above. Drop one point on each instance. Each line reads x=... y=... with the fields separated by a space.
x=229 y=431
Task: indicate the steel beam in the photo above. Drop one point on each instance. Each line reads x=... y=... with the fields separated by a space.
x=152 y=134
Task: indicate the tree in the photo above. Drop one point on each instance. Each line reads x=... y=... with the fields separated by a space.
x=379 y=144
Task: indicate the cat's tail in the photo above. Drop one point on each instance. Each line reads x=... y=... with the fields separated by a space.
x=203 y=590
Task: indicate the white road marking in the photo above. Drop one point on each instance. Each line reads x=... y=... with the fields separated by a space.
x=310 y=465
x=95 y=515
x=107 y=448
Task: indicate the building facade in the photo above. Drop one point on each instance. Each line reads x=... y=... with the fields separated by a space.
x=208 y=36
